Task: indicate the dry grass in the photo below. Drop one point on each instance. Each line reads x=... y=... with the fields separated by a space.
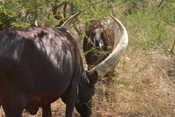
x=142 y=88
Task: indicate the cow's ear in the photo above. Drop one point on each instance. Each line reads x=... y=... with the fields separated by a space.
x=92 y=76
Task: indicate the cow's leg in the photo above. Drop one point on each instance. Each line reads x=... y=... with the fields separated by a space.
x=46 y=110
x=70 y=104
x=13 y=105
x=69 y=98
x=13 y=102
x=11 y=111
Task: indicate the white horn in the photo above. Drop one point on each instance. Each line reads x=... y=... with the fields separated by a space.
x=106 y=65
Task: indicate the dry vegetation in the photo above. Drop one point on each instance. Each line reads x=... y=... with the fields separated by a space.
x=142 y=88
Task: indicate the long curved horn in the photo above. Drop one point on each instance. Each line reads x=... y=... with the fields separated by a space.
x=69 y=20
x=106 y=65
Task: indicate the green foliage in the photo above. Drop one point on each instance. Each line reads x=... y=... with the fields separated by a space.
x=149 y=22
x=167 y=13
x=149 y=25
x=22 y=13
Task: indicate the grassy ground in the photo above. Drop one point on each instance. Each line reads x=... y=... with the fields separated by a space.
x=142 y=88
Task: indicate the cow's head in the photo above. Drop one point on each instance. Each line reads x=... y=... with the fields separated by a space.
x=99 y=41
x=90 y=77
x=93 y=32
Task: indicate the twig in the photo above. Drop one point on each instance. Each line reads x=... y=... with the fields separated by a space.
x=161 y=3
x=172 y=48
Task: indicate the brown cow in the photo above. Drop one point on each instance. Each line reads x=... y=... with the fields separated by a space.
x=39 y=65
x=99 y=41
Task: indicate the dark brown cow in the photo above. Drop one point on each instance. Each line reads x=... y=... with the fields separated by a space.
x=39 y=65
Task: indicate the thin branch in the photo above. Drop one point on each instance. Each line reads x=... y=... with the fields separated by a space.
x=161 y=4
x=172 y=48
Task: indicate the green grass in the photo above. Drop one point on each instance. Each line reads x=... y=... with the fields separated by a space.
x=147 y=30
